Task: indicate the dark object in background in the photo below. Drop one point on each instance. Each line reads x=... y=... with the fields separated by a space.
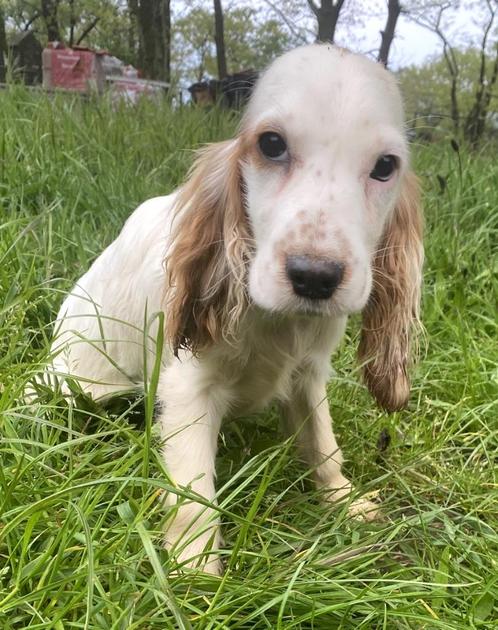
x=203 y=93
x=26 y=54
x=384 y=440
x=231 y=92
x=443 y=182
x=237 y=88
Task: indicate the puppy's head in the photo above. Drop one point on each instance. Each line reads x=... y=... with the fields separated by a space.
x=310 y=210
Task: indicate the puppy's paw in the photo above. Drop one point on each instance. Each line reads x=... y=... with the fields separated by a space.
x=195 y=552
x=336 y=489
x=204 y=561
x=362 y=508
x=365 y=510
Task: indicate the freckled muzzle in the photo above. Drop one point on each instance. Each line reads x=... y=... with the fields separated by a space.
x=313 y=278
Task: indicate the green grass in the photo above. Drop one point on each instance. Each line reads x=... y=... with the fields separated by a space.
x=80 y=519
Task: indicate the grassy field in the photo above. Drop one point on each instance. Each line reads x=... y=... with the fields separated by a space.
x=80 y=519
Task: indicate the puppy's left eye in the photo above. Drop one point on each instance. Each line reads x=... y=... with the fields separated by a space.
x=272 y=146
x=384 y=168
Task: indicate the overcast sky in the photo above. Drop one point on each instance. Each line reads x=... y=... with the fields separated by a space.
x=413 y=44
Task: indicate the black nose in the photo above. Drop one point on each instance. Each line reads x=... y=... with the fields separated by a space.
x=313 y=278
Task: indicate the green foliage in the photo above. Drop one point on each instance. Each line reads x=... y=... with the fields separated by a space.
x=427 y=90
x=252 y=38
x=251 y=41
x=80 y=509
x=111 y=32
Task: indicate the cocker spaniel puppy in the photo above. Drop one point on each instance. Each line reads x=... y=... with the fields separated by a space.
x=309 y=214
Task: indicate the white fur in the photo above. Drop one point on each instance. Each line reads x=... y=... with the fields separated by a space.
x=340 y=112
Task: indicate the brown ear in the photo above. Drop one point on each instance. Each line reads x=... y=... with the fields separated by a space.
x=393 y=307
x=207 y=260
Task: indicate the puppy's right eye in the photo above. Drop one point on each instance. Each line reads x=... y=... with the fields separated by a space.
x=384 y=168
x=272 y=146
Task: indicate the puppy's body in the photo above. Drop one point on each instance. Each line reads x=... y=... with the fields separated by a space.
x=109 y=318
x=111 y=302
x=309 y=214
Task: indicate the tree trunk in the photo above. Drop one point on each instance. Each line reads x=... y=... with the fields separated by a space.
x=133 y=44
x=454 y=71
x=475 y=123
x=49 y=13
x=387 y=35
x=220 y=40
x=72 y=23
x=166 y=39
x=145 y=21
x=327 y=15
x=3 y=46
x=154 y=31
x=135 y=29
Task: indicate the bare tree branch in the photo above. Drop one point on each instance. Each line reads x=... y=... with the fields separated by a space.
x=292 y=28
x=448 y=54
x=87 y=30
x=33 y=18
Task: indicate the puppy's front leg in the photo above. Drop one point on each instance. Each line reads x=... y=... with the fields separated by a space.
x=307 y=415
x=190 y=422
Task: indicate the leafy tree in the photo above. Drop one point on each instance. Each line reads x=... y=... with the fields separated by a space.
x=251 y=41
x=438 y=17
x=100 y=23
x=427 y=90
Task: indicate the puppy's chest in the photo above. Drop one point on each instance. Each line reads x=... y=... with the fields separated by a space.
x=268 y=370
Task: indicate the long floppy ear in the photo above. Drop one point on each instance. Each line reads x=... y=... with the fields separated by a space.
x=392 y=311
x=206 y=264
